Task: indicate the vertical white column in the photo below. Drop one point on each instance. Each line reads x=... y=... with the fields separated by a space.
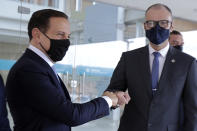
x=139 y=29
x=120 y=23
x=78 y=5
x=62 y=5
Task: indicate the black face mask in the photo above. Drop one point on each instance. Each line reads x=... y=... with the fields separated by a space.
x=157 y=34
x=58 y=48
x=179 y=47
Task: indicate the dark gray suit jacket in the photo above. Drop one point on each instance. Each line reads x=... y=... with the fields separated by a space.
x=178 y=83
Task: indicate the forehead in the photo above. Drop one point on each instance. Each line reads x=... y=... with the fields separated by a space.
x=176 y=37
x=159 y=13
x=59 y=24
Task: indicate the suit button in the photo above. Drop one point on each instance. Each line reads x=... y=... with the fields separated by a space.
x=149 y=124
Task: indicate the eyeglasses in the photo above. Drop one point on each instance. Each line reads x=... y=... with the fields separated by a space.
x=162 y=23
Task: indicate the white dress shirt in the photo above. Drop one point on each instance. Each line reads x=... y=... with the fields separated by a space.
x=41 y=54
x=163 y=52
x=45 y=58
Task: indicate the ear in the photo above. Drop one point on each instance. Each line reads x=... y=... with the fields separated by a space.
x=35 y=33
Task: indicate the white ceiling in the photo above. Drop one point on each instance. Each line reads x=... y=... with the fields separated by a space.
x=185 y=9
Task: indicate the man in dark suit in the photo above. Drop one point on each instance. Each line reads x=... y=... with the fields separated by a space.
x=176 y=40
x=158 y=78
x=4 y=122
x=37 y=97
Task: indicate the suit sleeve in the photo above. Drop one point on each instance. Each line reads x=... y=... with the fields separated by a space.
x=42 y=96
x=190 y=99
x=4 y=122
x=118 y=80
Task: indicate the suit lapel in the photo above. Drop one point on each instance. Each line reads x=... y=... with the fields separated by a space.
x=166 y=72
x=145 y=70
x=64 y=88
x=58 y=84
x=54 y=77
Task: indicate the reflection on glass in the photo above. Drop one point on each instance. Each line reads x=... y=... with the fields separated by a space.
x=94 y=65
x=50 y=3
x=190 y=43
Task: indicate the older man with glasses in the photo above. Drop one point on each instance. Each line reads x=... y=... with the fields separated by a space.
x=158 y=79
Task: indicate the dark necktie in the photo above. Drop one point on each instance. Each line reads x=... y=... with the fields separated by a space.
x=155 y=71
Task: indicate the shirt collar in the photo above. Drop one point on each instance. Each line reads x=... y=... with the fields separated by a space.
x=163 y=51
x=41 y=54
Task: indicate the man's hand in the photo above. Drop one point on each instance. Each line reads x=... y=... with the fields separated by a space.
x=123 y=97
x=112 y=96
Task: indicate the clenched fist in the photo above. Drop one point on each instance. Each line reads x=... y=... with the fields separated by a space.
x=123 y=97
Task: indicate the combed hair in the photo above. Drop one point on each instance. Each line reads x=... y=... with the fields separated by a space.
x=175 y=32
x=40 y=19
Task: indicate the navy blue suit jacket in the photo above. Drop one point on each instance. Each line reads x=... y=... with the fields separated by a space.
x=177 y=84
x=4 y=123
x=39 y=102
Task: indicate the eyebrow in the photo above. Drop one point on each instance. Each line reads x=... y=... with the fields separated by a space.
x=62 y=32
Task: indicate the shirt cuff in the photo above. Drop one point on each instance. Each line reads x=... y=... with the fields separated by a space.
x=108 y=100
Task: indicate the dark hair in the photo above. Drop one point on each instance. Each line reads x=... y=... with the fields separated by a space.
x=175 y=32
x=159 y=5
x=40 y=20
